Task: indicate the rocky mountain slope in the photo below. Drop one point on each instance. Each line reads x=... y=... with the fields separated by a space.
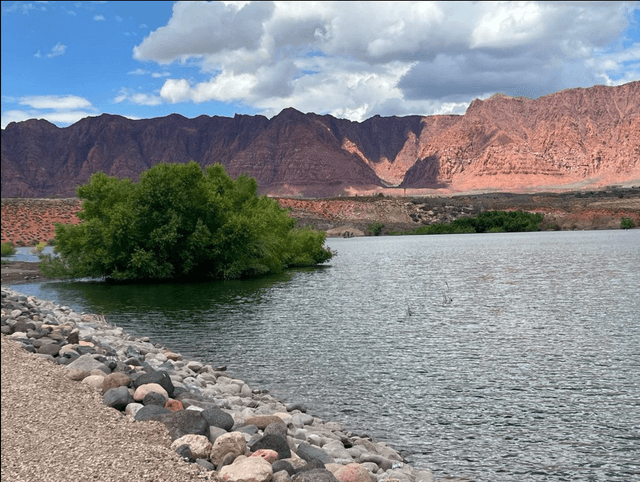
x=574 y=138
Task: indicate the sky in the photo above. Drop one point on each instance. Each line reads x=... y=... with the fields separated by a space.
x=63 y=61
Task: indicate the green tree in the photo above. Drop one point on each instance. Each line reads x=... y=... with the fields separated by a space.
x=626 y=223
x=376 y=228
x=180 y=222
x=8 y=249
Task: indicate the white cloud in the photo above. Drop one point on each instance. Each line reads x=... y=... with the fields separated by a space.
x=37 y=55
x=138 y=72
x=357 y=59
x=99 y=18
x=56 y=102
x=57 y=50
x=138 y=98
x=158 y=75
x=57 y=109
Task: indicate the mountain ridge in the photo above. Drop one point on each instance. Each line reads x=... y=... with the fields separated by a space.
x=576 y=137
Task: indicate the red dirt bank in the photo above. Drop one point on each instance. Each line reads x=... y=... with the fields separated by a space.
x=28 y=221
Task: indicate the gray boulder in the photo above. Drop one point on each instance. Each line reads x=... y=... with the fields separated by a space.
x=315 y=475
x=151 y=412
x=88 y=363
x=309 y=452
x=272 y=442
x=217 y=417
x=117 y=398
x=184 y=422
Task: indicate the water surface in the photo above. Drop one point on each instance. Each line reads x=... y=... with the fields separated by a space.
x=530 y=373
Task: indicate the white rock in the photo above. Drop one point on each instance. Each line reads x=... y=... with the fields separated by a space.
x=198 y=444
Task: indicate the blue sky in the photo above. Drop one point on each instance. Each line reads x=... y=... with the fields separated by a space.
x=63 y=61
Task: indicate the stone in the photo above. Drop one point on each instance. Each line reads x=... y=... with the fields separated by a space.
x=233 y=443
x=277 y=428
x=184 y=452
x=218 y=418
x=87 y=362
x=309 y=452
x=301 y=419
x=171 y=355
x=173 y=405
x=76 y=374
x=205 y=464
x=114 y=380
x=269 y=455
x=280 y=465
x=151 y=412
x=281 y=476
x=382 y=462
x=296 y=406
x=199 y=445
x=143 y=390
x=94 y=381
x=336 y=450
x=423 y=476
x=184 y=422
x=154 y=398
x=353 y=473
x=263 y=421
x=251 y=469
x=50 y=349
x=133 y=408
x=160 y=377
x=118 y=398
x=272 y=442
x=215 y=432
x=315 y=475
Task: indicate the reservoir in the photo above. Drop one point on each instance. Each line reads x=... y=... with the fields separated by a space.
x=497 y=357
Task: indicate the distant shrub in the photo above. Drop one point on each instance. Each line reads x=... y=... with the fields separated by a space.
x=376 y=228
x=626 y=223
x=40 y=246
x=8 y=249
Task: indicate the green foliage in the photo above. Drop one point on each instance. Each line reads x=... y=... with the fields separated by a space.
x=487 y=222
x=40 y=246
x=376 y=228
x=626 y=223
x=181 y=222
x=8 y=249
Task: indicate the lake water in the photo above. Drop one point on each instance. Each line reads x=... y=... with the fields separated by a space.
x=530 y=373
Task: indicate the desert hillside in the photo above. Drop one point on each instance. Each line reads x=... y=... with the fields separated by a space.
x=574 y=139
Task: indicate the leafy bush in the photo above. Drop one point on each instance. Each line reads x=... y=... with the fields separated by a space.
x=40 y=246
x=181 y=222
x=8 y=249
x=487 y=222
x=626 y=223
x=376 y=228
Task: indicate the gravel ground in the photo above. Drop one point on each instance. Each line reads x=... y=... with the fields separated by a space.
x=55 y=429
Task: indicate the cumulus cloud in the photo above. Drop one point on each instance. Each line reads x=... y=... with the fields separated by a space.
x=63 y=110
x=358 y=59
x=99 y=18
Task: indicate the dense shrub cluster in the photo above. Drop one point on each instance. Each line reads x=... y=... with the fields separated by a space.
x=180 y=222
x=487 y=222
x=8 y=249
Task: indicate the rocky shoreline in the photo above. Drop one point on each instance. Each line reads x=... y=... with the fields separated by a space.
x=220 y=425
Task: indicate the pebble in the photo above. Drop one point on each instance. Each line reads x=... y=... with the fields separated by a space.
x=214 y=420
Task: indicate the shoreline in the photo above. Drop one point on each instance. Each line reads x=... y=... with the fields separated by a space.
x=62 y=336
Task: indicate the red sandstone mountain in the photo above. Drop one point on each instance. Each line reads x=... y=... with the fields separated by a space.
x=571 y=138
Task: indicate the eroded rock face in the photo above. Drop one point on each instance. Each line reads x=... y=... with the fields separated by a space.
x=502 y=143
